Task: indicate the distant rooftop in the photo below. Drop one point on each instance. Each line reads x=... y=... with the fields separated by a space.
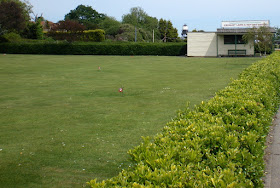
x=245 y=24
x=239 y=30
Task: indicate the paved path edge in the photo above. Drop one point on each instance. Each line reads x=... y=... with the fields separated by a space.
x=272 y=155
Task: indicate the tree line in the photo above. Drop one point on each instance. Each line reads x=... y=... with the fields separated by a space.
x=137 y=25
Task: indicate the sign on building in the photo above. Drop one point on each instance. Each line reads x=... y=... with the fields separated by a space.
x=245 y=24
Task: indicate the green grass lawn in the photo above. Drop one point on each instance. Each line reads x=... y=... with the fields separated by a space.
x=63 y=121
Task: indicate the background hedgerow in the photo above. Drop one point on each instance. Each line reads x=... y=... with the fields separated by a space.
x=97 y=35
x=218 y=144
x=95 y=48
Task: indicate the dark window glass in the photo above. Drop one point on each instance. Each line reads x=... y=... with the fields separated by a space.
x=230 y=39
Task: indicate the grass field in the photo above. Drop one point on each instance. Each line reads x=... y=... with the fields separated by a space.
x=63 y=121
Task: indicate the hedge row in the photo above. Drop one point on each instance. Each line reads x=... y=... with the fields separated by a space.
x=218 y=144
x=165 y=49
x=97 y=35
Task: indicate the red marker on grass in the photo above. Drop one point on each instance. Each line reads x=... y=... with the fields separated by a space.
x=121 y=91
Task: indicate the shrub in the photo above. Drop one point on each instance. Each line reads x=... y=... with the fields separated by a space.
x=97 y=35
x=218 y=144
x=34 y=30
x=68 y=36
x=49 y=39
x=11 y=37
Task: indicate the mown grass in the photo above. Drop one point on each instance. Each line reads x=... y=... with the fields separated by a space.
x=63 y=121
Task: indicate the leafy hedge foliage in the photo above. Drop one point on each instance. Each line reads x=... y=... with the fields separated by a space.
x=10 y=37
x=166 y=49
x=218 y=144
x=97 y=35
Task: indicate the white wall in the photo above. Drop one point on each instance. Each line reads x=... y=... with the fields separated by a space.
x=202 y=44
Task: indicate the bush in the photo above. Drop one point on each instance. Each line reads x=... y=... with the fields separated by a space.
x=218 y=144
x=97 y=35
x=48 y=39
x=257 y=50
x=166 y=49
x=34 y=30
x=11 y=37
x=68 y=36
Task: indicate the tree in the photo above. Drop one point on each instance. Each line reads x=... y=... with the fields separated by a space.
x=277 y=38
x=145 y=24
x=2 y=31
x=34 y=30
x=110 y=25
x=127 y=33
x=12 y=16
x=85 y=15
x=277 y=34
x=262 y=37
x=69 y=30
x=25 y=5
x=69 y=26
x=167 y=32
x=139 y=18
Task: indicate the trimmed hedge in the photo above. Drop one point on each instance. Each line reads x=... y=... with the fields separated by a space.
x=97 y=35
x=218 y=144
x=164 y=49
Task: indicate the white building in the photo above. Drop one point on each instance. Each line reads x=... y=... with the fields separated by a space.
x=226 y=41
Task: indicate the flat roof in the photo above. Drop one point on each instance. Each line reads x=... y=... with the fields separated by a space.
x=239 y=30
x=231 y=31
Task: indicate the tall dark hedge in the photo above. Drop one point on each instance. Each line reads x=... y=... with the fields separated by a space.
x=162 y=49
x=97 y=35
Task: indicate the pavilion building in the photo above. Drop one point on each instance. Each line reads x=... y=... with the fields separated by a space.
x=226 y=41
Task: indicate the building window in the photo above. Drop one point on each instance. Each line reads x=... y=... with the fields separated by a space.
x=230 y=39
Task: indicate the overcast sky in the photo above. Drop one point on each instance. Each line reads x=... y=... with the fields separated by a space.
x=197 y=14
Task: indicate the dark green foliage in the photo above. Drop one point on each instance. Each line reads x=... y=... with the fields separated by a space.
x=65 y=36
x=74 y=31
x=145 y=24
x=12 y=16
x=85 y=15
x=97 y=35
x=34 y=30
x=277 y=34
x=262 y=37
x=171 y=49
x=260 y=50
x=218 y=144
x=139 y=18
x=70 y=30
x=68 y=26
x=127 y=33
x=110 y=25
x=167 y=32
x=10 y=37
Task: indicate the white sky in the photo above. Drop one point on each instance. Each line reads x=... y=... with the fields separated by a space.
x=197 y=14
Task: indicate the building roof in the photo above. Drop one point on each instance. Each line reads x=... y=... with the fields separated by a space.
x=238 y=30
